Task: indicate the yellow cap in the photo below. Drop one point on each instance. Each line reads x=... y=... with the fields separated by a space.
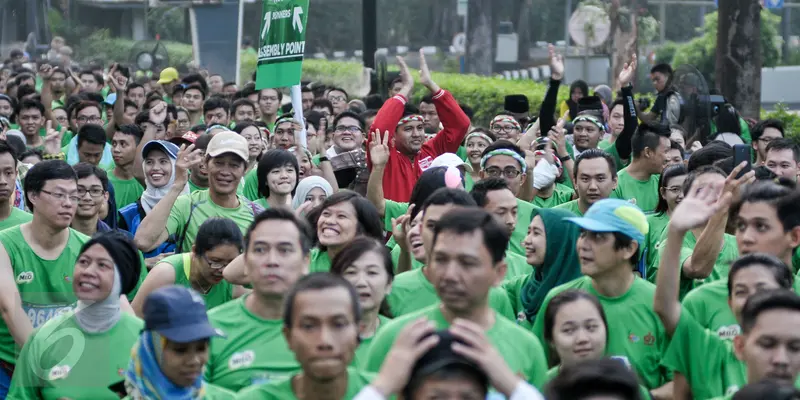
x=168 y=75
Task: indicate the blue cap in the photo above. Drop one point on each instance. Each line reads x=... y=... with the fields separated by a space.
x=615 y=215
x=111 y=99
x=178 y=314
x=168 y=147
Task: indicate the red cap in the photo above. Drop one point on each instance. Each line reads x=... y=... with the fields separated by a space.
x=187 y=138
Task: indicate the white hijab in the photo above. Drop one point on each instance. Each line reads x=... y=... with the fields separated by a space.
x=101 y=316
x=153 y=194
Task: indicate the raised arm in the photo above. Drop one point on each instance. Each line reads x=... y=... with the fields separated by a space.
x=699 y=205
x=379 y=155
x=454 y=122
x=623 y=142
x=547 y=111
x=153 y=229
x=701 y=263
x=391 y=112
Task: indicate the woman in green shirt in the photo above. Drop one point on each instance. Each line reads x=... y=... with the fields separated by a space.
x=99 y=334
x=670 y=194
x=278 y=174
x=255 y=145
x=339 y=220
x=477 y=141
x=367 y=265
x=576 y=329
x=219 y=241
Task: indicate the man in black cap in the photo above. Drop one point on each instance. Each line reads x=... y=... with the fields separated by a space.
x=518 y=106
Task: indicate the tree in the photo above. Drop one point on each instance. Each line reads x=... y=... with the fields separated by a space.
x=738 y=67
x=480 y=37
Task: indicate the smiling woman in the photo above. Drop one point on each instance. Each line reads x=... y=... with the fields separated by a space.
x=341 y=218
x=101 y=334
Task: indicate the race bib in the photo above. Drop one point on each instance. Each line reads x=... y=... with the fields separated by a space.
x=41 y=313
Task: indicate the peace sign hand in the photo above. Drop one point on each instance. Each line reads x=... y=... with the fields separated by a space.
x=379 y=150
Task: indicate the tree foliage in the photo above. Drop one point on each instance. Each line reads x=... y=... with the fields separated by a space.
x=701 y=51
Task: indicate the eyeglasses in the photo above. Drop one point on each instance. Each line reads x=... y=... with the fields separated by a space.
x=336 y=98
x=509 y=173
x=351 y=128
x=84 y=120
x=62 y=196
x=676 y=190
x=507 y=129
x=215 y=264
x=94 y=192
x=767 y=140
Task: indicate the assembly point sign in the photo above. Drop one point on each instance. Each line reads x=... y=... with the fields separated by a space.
x=282 y=43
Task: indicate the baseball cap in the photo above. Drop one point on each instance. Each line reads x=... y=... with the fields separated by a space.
x=168 y=75
x=178 y=314
x=442 y=356
x=111 y=99
x=615 y=215
x=228 y=142
x=450 y=160
x=187 y=138
x=170 y=148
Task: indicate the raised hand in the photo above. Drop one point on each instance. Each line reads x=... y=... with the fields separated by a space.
x=158 y=114
x=698 y=206
x=52 y=139
x=379 y=150
x=116 y=84
x=401 y=226
x=425 y=74
x=188 y=157
x=405 y=76
x=556 y=135
x=556 y=63
x=628 y=73
x=46 y=72
x=733 y=184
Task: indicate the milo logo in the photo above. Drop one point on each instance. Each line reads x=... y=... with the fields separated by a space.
x=25 y=277
x=241 y=359
x=729 y=332
x=58 y=372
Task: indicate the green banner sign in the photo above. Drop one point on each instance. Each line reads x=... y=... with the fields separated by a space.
x=282 y=43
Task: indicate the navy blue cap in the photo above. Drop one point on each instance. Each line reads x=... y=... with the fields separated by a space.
x=167 y=147
x=178 y=314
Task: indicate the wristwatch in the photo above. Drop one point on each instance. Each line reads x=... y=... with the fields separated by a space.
x=565 y=158
x=323 y=158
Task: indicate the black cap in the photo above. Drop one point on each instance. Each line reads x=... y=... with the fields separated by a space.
x=442 y=356
x=590 y=103
x=517 y=104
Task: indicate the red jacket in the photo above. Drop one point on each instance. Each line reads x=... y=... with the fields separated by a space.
x=401 y=172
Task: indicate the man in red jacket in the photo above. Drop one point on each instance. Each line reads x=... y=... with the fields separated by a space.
x=410 y=153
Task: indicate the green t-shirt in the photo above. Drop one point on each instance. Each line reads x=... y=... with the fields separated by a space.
x=561 y=194
x=524 y=210
x=571 y=206
x=654 y=240
x=513 y=290
x=45 y=286
x=254 y=351
x=635 y=333
x=194 y=188
x=319 y=261
x=706 y=360
x=727 y=255
x=282 y=389
x=469 y=183
x=16 y=218
x=708 y=306
x=362 y=352
x=126 y=191
x=251 y=185
x=644 y=192
x=60 y=360
x=219 y=294
x=411 y=292
x=553 y=372
x=201 y=208
x=522 y=351
x=212 y=392
x=393 y=209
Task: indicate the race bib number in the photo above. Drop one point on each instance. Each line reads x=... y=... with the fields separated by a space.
x=39 y=314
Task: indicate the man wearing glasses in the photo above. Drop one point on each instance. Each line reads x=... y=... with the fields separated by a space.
x=347 y=155
x=37 y=260
x=92 y=194
x=763 y=133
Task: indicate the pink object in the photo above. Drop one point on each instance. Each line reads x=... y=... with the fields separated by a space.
x=452 y=178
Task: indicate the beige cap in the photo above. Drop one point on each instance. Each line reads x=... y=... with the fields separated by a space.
x=228 y=142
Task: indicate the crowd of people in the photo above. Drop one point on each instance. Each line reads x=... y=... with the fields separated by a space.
x=178 y=237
